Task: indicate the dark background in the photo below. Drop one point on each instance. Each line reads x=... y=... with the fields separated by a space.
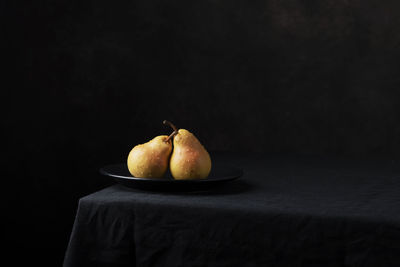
x=88 y=80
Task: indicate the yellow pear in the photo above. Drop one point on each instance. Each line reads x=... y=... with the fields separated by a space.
x=150 y=160
x=189 y=159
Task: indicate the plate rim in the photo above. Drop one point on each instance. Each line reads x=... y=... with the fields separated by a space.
x=239 y=171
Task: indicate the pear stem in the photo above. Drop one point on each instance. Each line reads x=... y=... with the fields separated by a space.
x=175 y=132
x=170 y=136
x=165 y=122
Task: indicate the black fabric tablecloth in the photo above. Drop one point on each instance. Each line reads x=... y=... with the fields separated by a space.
x=282 y=212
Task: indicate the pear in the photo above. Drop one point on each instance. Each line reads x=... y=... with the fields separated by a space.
x=150 y=160
x=189 y=159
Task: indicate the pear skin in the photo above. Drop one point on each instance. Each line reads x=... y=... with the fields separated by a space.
x=189 y=159
x=150 y=160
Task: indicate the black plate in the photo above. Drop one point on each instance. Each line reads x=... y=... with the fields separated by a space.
x=218 y=175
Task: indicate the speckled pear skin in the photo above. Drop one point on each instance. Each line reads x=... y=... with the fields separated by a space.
x=150 y=160
x=189 y=159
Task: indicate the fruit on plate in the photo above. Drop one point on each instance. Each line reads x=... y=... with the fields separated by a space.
x=151 y=159
x=189 y=159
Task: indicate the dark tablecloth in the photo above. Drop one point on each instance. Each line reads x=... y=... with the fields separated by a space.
x=282 y=212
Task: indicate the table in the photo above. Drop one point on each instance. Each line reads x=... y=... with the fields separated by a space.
x=284 y=211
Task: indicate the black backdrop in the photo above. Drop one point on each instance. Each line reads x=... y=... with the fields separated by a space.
x=87 y=80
